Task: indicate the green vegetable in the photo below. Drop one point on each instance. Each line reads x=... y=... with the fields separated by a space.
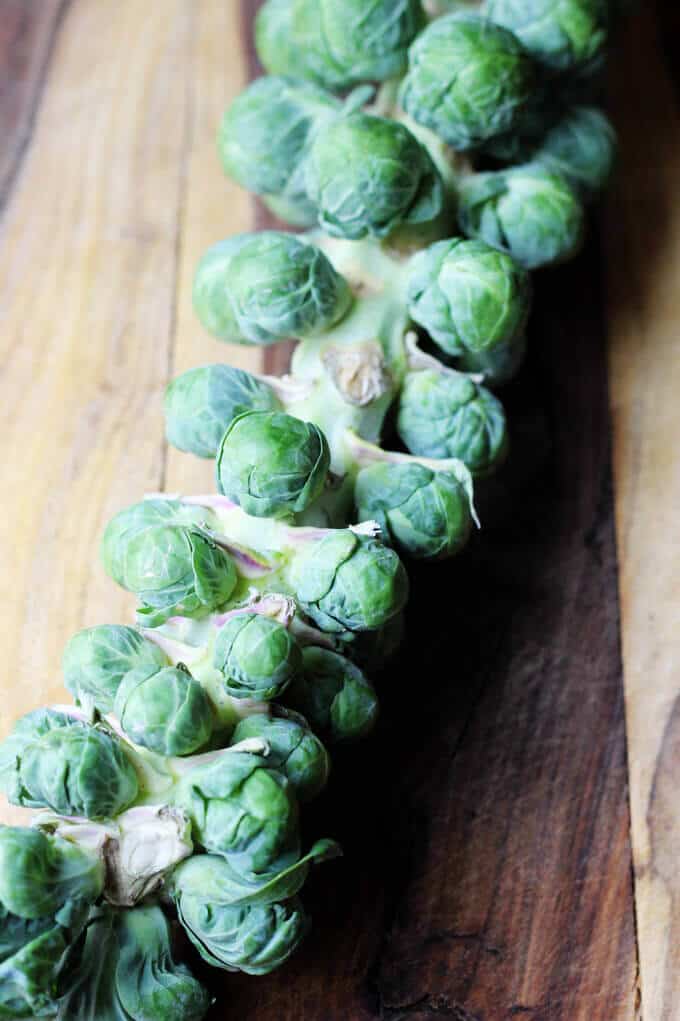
x=165 y=710
x=256 y=655
x=293 y=749
x=564 y=35
x=334 y=695
x=272 y=464
x=582 y=147
x=468 y=80
x=528 y=211
x=97 y=659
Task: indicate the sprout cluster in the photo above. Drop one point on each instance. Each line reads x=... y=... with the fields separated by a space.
x=174 y=782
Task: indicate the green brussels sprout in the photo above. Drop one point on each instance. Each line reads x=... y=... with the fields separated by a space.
x=446 y=414
x=581 y=147
x=253 y=938
x=367 y=175
x=266 y=287
x=528 y=211
x=17 y=932
x=201 y=403
x=97 y=658
x=272 y=464
x=424 y=513
x=31 y=979
x=468 y=295
x=44 y=877
x=373 y=651
x=468 y=80
x=240 y=808
x=334 y=695
x=337 y=44
x=265 y=135
x=51 y=760
x=499 y=364
x=563 y=35
x=256 y=655
x=164 y=709
x=128 y=971
x=349 y=582
x=293 y=749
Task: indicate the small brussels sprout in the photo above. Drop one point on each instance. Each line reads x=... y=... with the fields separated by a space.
x=96 y=660
x=468 y=80
x=254 y=938
x=374 y=651
x=51 y=760
x=334 y=695
x=293 y=749
x=349 y=582
x=366 y=175
x=201 y=403
x=272 y=464
x=256 y=655
x=242 y=809
x=164 y=709
x=528 y=211
x=468 y=295
x=43 y=877
x=424 y=513
x=266 y=132
x=31 y=978
x=563 y=35
x=581 y=147
x=446 y=414
x=498 y=365
x=337 y=44
x=128 y=971
x=266 y=287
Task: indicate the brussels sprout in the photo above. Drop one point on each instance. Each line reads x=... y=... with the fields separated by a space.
x=446 y=414
x=165 y=710
x=51 y=760
x=31 y=979
x=337 y=44
x=422 y=512
x=564 y=35
x=581 y=147
x=334 y=695
x=373 y=651
x=468 y=80
x=96 y=660
x=266 y=287
x=266 y=132
x=366 y=175
x=499 y=364
x=272 y=464
x=293 y=749
x=468 y=295
x=254 y=938
x=241 y=808
x=256 y=655
x=528 y=211
x=350 y=582
x=201 y=403
x=128 y=972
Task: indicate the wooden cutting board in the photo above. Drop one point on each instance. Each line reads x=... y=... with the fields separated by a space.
x=491 y=871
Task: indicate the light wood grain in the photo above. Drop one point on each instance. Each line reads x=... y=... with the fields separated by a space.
x=643 y=315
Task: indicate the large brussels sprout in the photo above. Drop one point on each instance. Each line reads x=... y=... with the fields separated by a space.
x=366 y=175
x=256 y=655
x=468 y=80
x=423 y=513
x=201 y=403
x=528 y=211
x=582 y=147
x=334 y=695
x=272 y=464
x=293 y=749
x=243 y=809
x=128 y=972
x=266 y=287
x=446 y=414
x=164 y=709
x=96 y=660
x=265 y=135
x=51 y=760
x=349 y=582
x=564 y=35
x=468 y=295
x=337 y=44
